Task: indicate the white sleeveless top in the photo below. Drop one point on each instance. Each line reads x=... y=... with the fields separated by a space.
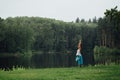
x=78 y=53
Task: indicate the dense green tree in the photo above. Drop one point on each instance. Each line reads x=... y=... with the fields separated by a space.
x=89 y=21
x=17 y=37
x=108 y=37
x=108 y=29
x=113 y=18
x=82 y=20
x=2 y=37
x=95 y=20
x=77 y=20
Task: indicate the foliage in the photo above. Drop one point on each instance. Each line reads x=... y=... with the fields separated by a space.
x=42 y=34
x=36 y=34
x=106 y=55
x=16 y=36
x=108 y=38
x=109 y=29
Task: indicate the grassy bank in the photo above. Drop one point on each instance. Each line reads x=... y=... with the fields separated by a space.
x=111 y=72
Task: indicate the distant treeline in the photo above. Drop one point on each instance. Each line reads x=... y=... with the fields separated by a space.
x=30 y=35
x=21 y=34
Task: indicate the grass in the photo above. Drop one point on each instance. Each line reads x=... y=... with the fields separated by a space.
x=111 y=72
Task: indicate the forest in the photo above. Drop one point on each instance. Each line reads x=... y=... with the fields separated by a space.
x=44 y=42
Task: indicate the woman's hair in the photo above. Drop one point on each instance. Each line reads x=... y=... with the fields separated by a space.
x=79 y=44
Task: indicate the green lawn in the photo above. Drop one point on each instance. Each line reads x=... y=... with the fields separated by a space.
x=111 y=72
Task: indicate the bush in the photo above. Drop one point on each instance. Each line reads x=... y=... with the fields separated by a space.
x=105 y=55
